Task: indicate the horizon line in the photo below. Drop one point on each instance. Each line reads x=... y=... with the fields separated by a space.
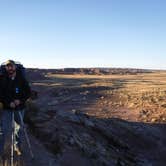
x=59 y=68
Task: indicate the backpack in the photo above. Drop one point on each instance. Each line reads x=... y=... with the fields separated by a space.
x=19 y=68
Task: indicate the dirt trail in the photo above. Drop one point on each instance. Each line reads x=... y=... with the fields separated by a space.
x=42 y=156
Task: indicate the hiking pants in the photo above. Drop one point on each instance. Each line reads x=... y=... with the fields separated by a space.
x=6 y=128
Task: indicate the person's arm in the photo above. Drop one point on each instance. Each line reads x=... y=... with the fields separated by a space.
x=1 y=88
x=5 y=98
x=1 y=100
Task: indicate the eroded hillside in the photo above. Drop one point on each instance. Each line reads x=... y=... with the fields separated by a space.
x=101 y=120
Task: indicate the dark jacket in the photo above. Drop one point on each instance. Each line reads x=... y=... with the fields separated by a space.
x=14 y=89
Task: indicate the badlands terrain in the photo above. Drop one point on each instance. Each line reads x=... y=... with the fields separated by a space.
x=97 y=117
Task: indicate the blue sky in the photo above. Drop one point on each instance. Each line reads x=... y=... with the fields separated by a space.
x=84 y=33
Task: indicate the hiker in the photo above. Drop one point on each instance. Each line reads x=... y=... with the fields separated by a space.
x=15 y=91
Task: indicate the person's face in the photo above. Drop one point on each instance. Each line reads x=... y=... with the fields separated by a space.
x=11 y=69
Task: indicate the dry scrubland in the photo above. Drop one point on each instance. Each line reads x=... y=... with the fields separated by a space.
x=98 y=119
x=140 y=97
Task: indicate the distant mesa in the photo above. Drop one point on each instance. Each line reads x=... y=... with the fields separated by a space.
x=91 y=71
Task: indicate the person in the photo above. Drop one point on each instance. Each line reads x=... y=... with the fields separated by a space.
x=15 y=90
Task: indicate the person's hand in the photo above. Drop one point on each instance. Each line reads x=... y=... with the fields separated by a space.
x=12 y=105
x=17 y=102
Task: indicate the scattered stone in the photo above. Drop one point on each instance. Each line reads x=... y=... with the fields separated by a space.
x=153 y=120
x=55 y=102
x=74 y=111
x=88 y=123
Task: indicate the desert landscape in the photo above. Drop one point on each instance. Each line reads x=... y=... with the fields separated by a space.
x=97 y=72
x=96 y=118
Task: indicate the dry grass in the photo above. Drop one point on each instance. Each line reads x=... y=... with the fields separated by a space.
x=144 y=95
